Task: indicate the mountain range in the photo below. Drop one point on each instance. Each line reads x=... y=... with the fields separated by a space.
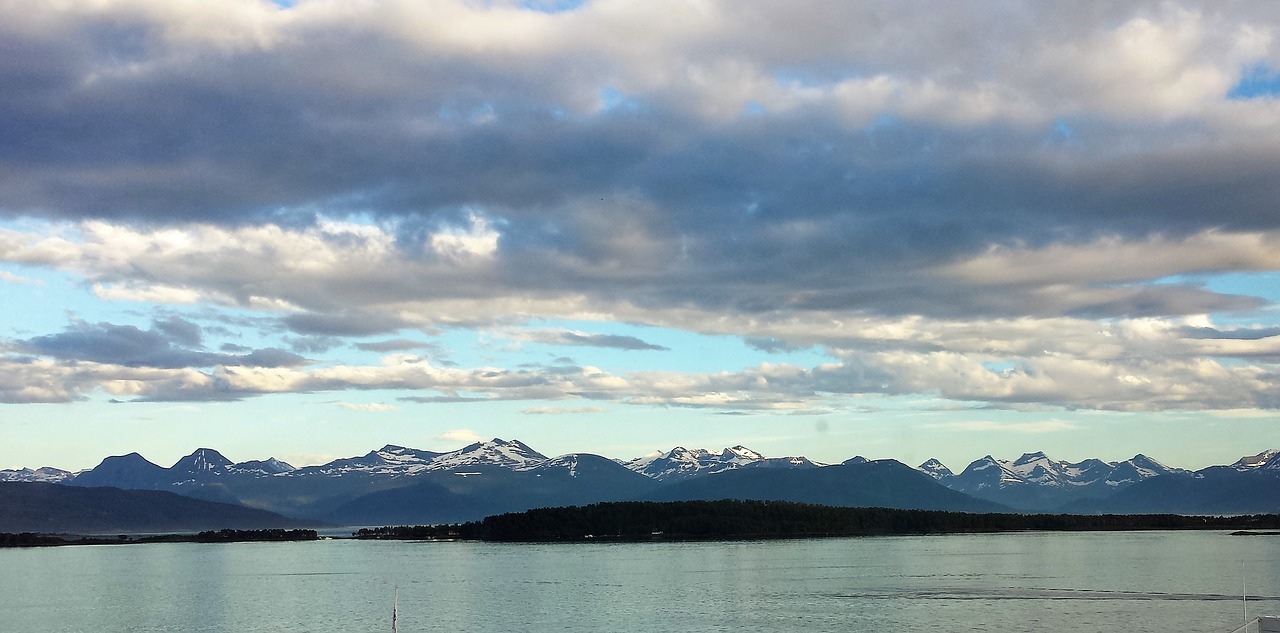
x=43 y=507
x=401 y=485
x=1036 y=482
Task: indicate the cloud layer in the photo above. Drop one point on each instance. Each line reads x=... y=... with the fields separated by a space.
x=1002 y=204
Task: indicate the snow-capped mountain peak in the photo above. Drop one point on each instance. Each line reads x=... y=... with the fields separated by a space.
x=682 y=463
x=742 y=453
x=269 y=466
x=203 y=465
x=45 y=474
x=567 y=462
x=987 y=472
x=683 y=454
x=1029 y=459
x=1148 y=467
x=936 y=469
x=1268 y=460
x=496 y=452
x=201 y=461
x=394 y=455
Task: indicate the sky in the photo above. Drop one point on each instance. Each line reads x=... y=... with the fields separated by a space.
x=890 y=229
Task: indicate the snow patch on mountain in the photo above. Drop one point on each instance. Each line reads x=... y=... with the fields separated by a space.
x=1266 y=460
x=512 y=454
x=567 y=462
x=1037 y=469
x=934 y=468
x=269 y=466
x=681 y=463
x=202 y=460
x=45 y=474
x=400 y=461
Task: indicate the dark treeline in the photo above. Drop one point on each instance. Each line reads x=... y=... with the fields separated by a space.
x=775 y=519
x=239 y=536
x=414 y=532
x=32 y=539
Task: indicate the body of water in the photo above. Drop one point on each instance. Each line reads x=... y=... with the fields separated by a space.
x=1060 y=582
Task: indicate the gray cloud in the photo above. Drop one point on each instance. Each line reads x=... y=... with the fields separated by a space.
x=833 y=196
x=343 y=323
x=396 y=345
x=1239 y=334
x=313 y=344
x=163 y=347
x=180 y=331
x=580 y=339
x=924 y=192
x=613 y=341
x=770 y=344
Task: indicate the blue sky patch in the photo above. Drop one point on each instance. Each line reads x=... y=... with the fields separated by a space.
x=1256 y=82
x=552 y=6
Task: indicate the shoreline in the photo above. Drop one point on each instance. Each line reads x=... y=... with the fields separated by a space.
x=725 y=520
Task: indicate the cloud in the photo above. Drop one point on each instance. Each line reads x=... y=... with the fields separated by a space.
x=146 y=293
x=344 y=323
x=1097 y=382
x=8 y=277
x=180 y=330
x=562 y=410
x=370 y=406
x=581 y=339
x=462 y=244
x=460 y=436
x=396 y=345
x=313 y=344
x=769 y=344
x=977 y=203
x=173 y=343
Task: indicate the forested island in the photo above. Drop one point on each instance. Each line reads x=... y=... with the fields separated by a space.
x=32 y=539
x=731 y=519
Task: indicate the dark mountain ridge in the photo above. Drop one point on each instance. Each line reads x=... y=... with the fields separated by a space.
x=397 y=484
x=881 y=483
x=54 y=508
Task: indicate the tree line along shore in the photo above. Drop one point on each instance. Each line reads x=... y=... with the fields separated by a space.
x=705 y=520
x=729 y=519
x=32 y=539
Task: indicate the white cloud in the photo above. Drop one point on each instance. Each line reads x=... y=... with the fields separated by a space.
x=154 y=293
x=460 y=244
x=460 y=436
x=368 y=406
x=8 y=277
x=562 y=410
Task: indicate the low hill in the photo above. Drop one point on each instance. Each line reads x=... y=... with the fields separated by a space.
x=52 y=508
x=1215 y=490
x=467 y=494
x=882 y=483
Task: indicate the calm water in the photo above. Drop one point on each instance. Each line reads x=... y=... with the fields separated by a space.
x=1009 y=582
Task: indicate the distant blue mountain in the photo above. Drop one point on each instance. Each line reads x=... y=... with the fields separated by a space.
x=54 y=508
x=1037 y=483
x=881 y=483
x=397 y=484
x=1212 y=491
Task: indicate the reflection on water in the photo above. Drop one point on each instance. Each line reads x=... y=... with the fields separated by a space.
x=1001 y=582
x=1041 y=593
